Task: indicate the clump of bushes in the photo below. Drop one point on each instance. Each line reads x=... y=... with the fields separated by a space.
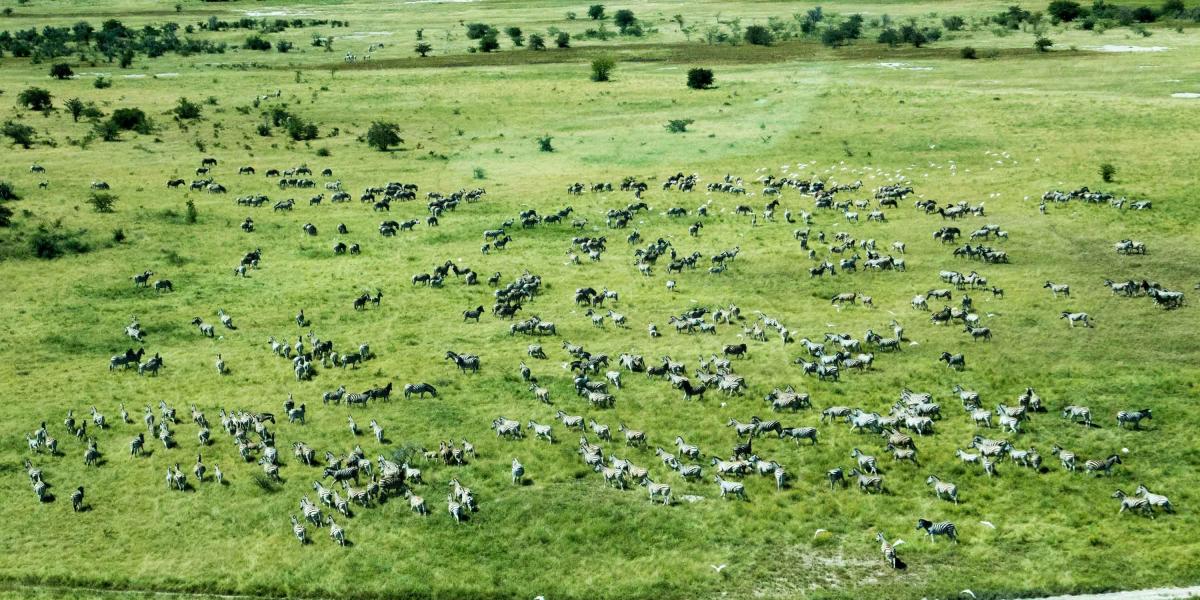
x=699 y=78
x=678 y=125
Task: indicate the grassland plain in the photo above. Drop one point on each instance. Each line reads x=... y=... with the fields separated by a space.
x=999 y=130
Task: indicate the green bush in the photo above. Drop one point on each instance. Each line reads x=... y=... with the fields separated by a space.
x=283 y=46
x=383 y=135
x=624 y=19
x=562 y=40
x=61 y=71
x=967 y=52
x=516 y=35
x=6 y=215
x=954 y=23
x=544 y=144
x=699 y=78
x=678 y=125
x=488 y=42
x=256 y=42
x=186 y=109
x=758 y=35
x=1107 y=172
x=1043 y=44
x=101 y=83
x=1065 y=10
x=102 y=202
x=49 y=243
x=19 y=133
x=537 y=42
x=596 y=12
x=476 y=31
x=6 y=191
x=131 y=119
x=423 y=49
x=602 y=68
x=35 y=98
x=191 y=216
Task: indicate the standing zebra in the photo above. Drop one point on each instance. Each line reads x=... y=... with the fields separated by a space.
x=336 y=533
x=1125 y=417
x=298 y=531
x=77 y=499
x=932 y=529
x=888 y=550
x=352 y=425
x=943 y=487
x=378 y=429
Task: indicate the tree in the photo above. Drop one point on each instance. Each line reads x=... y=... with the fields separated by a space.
x=1065 y=10
x=102 y=202
x=61 y=71
x=256 y=42
x=1107 y=172
x=602 y=68
x=283 y=46
x=624 y=19
x=758 y=35
x=130 y=119
x=476 y=31
x=544 y=144
x=1043 y=44
x=678 y=125
x=596 y=12
x=75 y=106
x=516 y=35
x=562 y=40
x=889 y=36
x=537 y=42
x=35 y=98
x=1173 y=8
x=186 y=109
x=1144 y=14
x=489 y=43
x=423 y=48
x=383 y=135
x=19 y=133
x=699 y=79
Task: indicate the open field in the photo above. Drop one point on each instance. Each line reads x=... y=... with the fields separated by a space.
x=998 y=131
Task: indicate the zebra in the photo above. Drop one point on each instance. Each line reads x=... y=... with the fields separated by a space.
x=932 y=529
x=1133 y=503
x=888 y=550
x=334 y=396
x=780 y=478
x=1075 y=413
x=1105 y=466
x=518 y=471
x=135 y=445
x=612 y=476
x=1066 y=458
x=218 y=476
x=91 y=455
x=199 y=469
x=685 y=449
x=867 y=482
x=1155 y=499
x=336 y=533
x=657 y=489
x=296 y=414
x=632 y=437
x=865 y=461
x=1124 y=417
x=835 y=476
x=943 y=487
x=541 y=431
x=77 y=499
x=416 y=503
x=730 y=488
x=799 y=433
x=311 y=511
x=298 y=531
x=352 y=425
x=454 y=508
x=1073 y=318
x=1057 y=289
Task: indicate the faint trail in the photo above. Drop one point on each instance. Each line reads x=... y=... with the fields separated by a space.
x=1150 y=594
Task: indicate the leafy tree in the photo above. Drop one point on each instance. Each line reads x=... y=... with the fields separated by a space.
x=102 y=202
x=602 y=68
x=1173 y=8
x=61 y=71
x=954 y=23
x=186 y=109
x=75 y=106
x=516 y=35
x=383 y=135
x=678 y=125
x=476 y=31
x=544 y=144
x=300 y=130
x=489 y=43
x=758 y=35
x=699 y=78
x=127 y=58
x=1043 y=44
x=624 y=19
x=35 y=98
x=1144 y=14
x=889 y=36
x=423 y=48
x=596 y=12
x=562 y=40
x=1065 y=10
x=130 y=119
x=1107 y=172
x=537 y=42
x=256 y=42
x=283 y=46
x=19 y=133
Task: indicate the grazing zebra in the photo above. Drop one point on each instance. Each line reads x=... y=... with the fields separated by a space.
x=1155 y=499
x=1066 y=458
x=420 y=389
x=799 y=433
x=1133 y=503
x=943 y=487
x=1125 y=417
x=77 y=499
x=836 y=475
x=298 y=531
x=932 y=529
x=1105 y=466
x=868 y=482
x=657 y=489
x=336 y=533
x=518 y=471
x=730 y=488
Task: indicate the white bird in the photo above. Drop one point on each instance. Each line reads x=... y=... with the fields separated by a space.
x=967 y=593
x=718 y=568
x=987 y=524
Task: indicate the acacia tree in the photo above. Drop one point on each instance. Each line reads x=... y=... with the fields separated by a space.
x=423 y=49
x=596 y=12
x=76 y=107
x=35 y=98
x=383 y=135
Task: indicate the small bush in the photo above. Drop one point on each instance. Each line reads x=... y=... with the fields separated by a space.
x=257 y=42
x=300 y=130
x=537 y=42
x=478 y=173
x=699 y=78
x=476 y=31
x=1043 y=44
x=1065 y=10
x=191 y=215
x=544 y=144
x=102 y=202
x=967 y=52
x=131 y=119
x=283 y=46
x=19 y=133
x=602 y=68
x=1107 y=172
x=516 y=35
x=489 y=42
x=758 y=35
x=954 y=23
x=186 y=109
x=50 y=243
x=624 y=19
x=423 y=49
x=596 y=12
x=6 y=215
x=323 y=152
x=61 y=71
x=678 y=125
x=75 y=106
x=6 y=191
x=562 y=40
x=102 y=83
x=118 y=235
x=35 y=98
x=382 y=135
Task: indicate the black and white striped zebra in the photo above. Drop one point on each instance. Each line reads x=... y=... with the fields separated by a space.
x=77 y=499
x=1133 y=503
x=800 y=433
x=868 y=482
x=888 y=550
x=943 y=487
x=1155 y=499
x=299 y=531
x=336 y=533
x=1102 y=466
x=932 y=529
x=1135 y=417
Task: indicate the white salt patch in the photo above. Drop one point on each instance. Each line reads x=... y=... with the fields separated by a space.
x=135 y=76
x=363 y=34
x=903 y=66
x=1185 y=95
x=1116 y=48
x=438 y=1
x=276 y=12
x=166 y=75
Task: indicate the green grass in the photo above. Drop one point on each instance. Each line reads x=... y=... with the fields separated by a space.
x=838 y=112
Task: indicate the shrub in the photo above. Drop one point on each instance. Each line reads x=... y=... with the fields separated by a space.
x=191 y=214
x=1144 y=14
x=256 y=42
x=954 y=23
x=75 y=106
x=1065 y=10
x=423 y=49
x=382 y=135
x=50 y=243
x=478 y=173
x=6 y=214
x=1107 y=172
x=699 y=79
x=537 y=42
x=323 y=152
x=35 y=98
x=624 y=19
x=107 y=130
x=283 y=46
x=758 y=35
x=101 y=83
x=678 y=125
x=61 y=71
x=19 y=133
x=6 y=191
x=1043 y=44
x=544 y=144
x=967 y=52
x=300 y=130
x=602 y=68
x=1173 y=8
x=102 y=202
x=562 y=40
x=889 y=36
x=186 y=109
x=488 y=42
x=596 y=12
x=476 y=31
x=131 y=119
x=516 y=35
x=118 y=235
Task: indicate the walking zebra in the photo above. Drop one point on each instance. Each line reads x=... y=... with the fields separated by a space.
x=1066 y=458
x=1125 y=417
x=799 y=433
x=135 y=445
x=943 y=487
x=378 y=429
x=867 y=482
x=1155 y=499
x=336 y=533
x=932 y=529
x=731 y=488
x=1132 y=503
x=657 y=489
x=1105 y=466
x=518 y=471
x=298 y=531
x=835 y=476
x=77 y=499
